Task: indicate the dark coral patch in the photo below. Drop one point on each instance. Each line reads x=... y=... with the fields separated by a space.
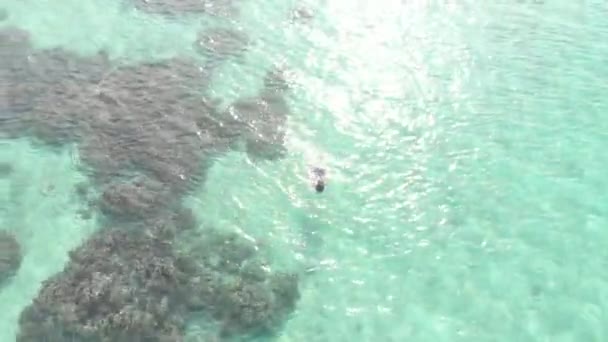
x=128 y=285
x=147 y=133
x=10 y=255
x=172 y=8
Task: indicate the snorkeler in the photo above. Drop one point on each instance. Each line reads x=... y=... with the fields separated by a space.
x=318 y=178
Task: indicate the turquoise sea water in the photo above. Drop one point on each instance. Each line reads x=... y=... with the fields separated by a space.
x=465 y=145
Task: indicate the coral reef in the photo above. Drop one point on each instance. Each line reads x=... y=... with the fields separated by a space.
x=147 y=134
x=10 y=255
x=135 y=200
x=119 y=286
x=122 y=285
x=150 y=118
x=234 y=285
x=220 y=8
x=217 y=44
x=265 y=117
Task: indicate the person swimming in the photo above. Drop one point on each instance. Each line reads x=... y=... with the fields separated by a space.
x=318 y=178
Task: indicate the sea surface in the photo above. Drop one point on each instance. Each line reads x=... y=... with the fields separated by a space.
x=465 y=144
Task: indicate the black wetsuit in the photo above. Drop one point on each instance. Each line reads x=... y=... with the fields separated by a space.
x=319 y=178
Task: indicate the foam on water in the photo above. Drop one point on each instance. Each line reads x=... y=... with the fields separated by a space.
x=465 y=148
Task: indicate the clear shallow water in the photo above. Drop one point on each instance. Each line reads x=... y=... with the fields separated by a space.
x=467 y=198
